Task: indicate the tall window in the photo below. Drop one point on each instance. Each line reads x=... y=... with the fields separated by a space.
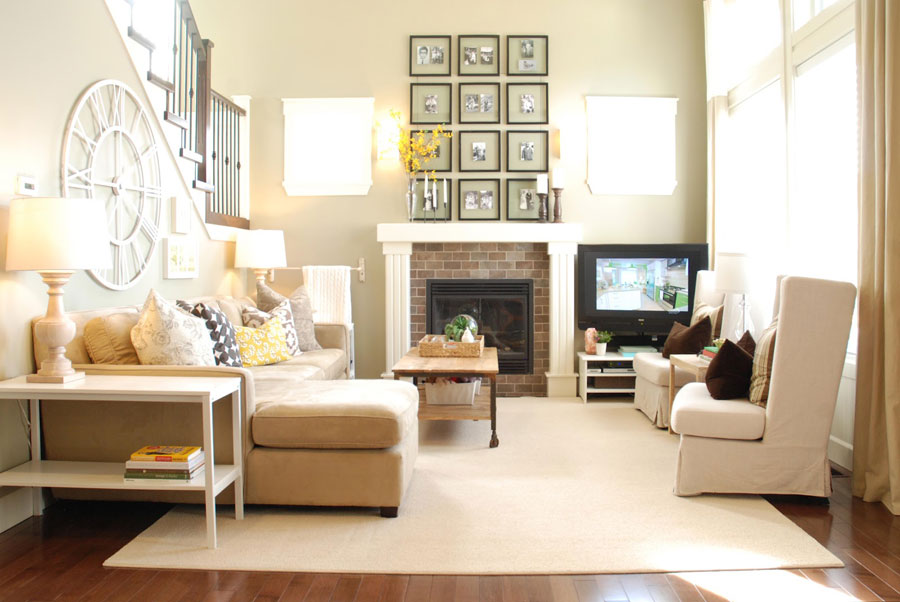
x=786 y=157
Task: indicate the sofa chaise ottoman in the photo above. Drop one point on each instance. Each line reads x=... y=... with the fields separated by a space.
x=310 y=436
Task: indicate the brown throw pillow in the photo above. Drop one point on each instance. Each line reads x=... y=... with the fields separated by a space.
x=684 y=339
x=728 y=376
x=747 y=343
x=762 y=366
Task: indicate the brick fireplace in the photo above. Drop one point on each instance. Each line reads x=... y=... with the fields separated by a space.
x=489 y=260
x=544 y=253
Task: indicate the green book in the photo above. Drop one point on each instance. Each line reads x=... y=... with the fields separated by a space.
x=171 y=476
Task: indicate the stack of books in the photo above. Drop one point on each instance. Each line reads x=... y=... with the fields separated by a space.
x=170 y=462
x=709 y=352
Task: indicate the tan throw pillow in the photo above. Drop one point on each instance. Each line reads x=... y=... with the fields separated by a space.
x=762 y=365
x=263 y=346
x=302 y=311
x=714 y=313
x=255 y=317
x=107 y=339
x=166 y=335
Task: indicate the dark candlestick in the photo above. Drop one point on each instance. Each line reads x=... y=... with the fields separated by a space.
x=557 y=205
x=542 y=207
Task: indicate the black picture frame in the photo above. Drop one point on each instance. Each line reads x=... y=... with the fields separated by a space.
x=478 y=68
x=514 y=186
x=443 y=163
x=417 y=114
x=493 y=150
x=444 y=212
x=465 y=90
x=417 y=69
x=466 y=185
x=540 y=151
x=540 y=55
x=515 y=102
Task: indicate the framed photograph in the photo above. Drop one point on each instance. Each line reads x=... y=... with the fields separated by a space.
x=479 y=151
x=444 y=159
x=182 y=257
x=527 y=103
x=479 y=199
x=526 y=55
x=437 y=206
x=430 y=103
x=521 y=199
x=479 y=103
x=527 y=150
x=429 y=55
x=478 y=55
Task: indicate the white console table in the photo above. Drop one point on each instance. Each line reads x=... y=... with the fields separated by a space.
x=204 y=391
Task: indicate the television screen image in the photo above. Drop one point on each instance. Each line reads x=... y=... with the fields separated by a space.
x=642 y=284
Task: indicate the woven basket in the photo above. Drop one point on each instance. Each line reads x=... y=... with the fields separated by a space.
x=437 y=345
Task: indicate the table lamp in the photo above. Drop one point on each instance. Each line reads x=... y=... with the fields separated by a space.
x=260 y=250
x=55 y=237
x=733 y=276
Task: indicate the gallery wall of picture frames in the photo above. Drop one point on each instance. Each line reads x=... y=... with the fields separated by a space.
x=478 y=103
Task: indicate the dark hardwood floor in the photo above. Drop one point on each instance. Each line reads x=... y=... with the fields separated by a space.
x=59 y=557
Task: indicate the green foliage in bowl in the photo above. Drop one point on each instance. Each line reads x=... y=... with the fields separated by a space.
x=457 y=327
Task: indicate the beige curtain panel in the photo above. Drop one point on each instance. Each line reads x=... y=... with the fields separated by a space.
x=876 y=451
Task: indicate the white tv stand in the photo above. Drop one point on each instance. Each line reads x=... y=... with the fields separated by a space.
x=595 y=375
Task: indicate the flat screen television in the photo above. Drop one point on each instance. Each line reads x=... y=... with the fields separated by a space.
x=638 y=291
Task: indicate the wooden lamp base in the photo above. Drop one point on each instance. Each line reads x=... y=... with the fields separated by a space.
x=55 y=330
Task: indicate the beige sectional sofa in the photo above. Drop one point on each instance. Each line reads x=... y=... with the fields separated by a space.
x=310 y=436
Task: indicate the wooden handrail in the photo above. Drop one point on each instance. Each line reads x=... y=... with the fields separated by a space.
x=229 y=103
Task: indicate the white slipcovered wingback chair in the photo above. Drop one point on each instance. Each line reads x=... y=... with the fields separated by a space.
x=734 y=446
x=651 y=387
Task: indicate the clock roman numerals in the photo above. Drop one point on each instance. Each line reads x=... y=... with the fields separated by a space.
x=149 y=229
x=98 y=108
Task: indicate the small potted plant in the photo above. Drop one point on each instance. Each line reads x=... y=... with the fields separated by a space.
x=603 y=337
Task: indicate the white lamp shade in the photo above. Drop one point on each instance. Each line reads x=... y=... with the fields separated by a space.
x=47 y=234
x=260 y=249
x=732 y=272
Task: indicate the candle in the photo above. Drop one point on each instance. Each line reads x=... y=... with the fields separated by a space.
x=559 y=177
x=425 y=190
x=445 y=192
x=542 y=183
x=434 y=193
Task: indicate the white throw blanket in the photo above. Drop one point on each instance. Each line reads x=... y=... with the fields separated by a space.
x=328 y=287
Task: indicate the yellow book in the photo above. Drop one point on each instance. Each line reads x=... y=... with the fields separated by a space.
x=165 y=453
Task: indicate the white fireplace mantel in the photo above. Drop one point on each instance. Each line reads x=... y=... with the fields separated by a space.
x=562 y=245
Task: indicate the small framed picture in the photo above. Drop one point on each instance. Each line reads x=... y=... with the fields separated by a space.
x=444 y=159
x=526 y=150
x=436 y=206
x=478 y=55
x=182 y=257
x=479 y=103
x=479 y=151
x=521 y=199
x=430 y=103
x=429 y=55
x=526 y=55
x=479 y=199
x=527 y=103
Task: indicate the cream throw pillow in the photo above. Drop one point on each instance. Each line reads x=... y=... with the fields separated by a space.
x=166 y=335
x=762 y=365
x=714 y=313
x=264 y=345
x=301 y=308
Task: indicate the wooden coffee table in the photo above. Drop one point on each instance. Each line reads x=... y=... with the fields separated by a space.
x=486 y=366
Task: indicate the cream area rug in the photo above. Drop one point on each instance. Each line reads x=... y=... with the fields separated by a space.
x=573 y=488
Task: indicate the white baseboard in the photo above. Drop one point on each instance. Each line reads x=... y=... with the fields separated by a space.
x=840 y=452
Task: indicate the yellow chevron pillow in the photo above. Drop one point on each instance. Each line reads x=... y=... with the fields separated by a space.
x=264 y=345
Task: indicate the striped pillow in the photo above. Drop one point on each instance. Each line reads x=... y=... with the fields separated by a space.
x=762 y=365
x=715 y=316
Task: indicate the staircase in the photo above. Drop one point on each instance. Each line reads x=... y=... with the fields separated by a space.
x=207 y=133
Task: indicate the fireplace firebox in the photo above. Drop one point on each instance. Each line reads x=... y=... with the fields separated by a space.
x=504 y=310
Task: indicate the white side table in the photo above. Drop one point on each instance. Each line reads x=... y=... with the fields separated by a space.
x=693 y=363
x=608 y=373
x=204 y=391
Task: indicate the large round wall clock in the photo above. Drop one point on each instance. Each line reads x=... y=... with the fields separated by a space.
x=110 y=153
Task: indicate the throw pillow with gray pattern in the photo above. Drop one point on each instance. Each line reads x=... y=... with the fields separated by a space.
x=221 y=332
x=167 y=335
x=301 y=308
x=255 y=318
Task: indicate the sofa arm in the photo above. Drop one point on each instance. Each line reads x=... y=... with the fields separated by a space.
x=247 y=386
x=338 y=336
